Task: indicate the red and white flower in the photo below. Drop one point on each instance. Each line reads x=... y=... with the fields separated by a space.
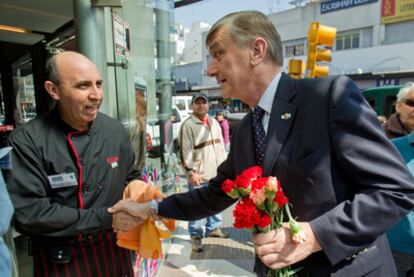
x=262 y=206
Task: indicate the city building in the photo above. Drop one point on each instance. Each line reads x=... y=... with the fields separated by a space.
x=373 y=41
x=374 y=38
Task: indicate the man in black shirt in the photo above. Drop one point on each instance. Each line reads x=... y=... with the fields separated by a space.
x=69 y=166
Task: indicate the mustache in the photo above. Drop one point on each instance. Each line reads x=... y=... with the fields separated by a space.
x=94 y=105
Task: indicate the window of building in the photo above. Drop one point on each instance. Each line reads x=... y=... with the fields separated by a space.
x=399 y=32
x=353 y=39
x=294 y=48
x=366 y=39
x=347 y=41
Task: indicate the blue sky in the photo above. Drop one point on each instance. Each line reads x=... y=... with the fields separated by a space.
x=211 y=10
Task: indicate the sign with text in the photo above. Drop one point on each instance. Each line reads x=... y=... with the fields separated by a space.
x=335 y=5
x=121 y=36
x=396 y=11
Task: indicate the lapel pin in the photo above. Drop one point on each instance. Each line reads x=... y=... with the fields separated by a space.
x=286 y=116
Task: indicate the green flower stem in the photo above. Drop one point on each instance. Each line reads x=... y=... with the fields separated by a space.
x=294 y=227
x=272 y=220
x=287 y=209
x=283 y=272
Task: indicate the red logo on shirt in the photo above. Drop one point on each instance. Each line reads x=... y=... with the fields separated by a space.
x=112 y=159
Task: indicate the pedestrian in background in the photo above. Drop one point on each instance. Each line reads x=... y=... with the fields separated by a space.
x=201 y=152
x=225 y=130
x=69 y=166
x=382 y=119
x=401 y=236
x=399 y=127
x=401 y=122
x=6 y=213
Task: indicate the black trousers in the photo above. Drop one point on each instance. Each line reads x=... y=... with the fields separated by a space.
x=96 y=255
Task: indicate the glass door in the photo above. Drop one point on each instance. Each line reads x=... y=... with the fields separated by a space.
x=132 y=63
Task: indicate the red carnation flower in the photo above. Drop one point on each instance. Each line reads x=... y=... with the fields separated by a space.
x=228 y=185
x=261 y=206
x=265 y=221
x=252 y=173
x=259 y=183
x=280 y=198
x=243 y=183
x=246 y=214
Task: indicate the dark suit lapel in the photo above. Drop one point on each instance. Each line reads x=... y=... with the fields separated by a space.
x=281 y=119
x=245 y=156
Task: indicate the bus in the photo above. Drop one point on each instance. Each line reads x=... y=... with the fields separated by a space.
x=382 y=99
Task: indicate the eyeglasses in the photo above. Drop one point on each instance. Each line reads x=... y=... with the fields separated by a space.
x=408 y=102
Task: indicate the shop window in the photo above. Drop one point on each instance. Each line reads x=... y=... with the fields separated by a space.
x=24 y=90
x=399 y=32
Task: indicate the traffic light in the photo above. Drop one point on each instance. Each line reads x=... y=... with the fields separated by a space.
x=295 y=68
x=320 y=41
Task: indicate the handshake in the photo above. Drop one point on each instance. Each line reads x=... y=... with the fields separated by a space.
x=127 y=213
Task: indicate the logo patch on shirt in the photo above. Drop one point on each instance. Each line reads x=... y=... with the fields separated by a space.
x=113 y=161
x=62 y=180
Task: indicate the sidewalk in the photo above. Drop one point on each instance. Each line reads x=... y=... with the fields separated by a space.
x=221 y=257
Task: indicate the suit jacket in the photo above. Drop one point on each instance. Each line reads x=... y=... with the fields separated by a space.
x=335 y=164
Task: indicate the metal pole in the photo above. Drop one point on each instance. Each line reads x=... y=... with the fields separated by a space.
x=90 y=38
x=162 y=13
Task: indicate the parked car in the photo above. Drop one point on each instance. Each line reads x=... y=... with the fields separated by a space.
x=182 y=105
x=382 y=99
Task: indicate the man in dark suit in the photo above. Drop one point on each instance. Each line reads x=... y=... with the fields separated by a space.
x=345 y=180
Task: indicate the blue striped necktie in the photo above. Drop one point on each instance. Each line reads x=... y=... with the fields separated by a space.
x=259 y=135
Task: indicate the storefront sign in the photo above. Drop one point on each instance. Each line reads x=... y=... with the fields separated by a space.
x=335 y=5
x=121 y=36
x=396 y=11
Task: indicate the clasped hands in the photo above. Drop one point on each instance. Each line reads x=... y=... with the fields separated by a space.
x=127 y=213
x=277 y=250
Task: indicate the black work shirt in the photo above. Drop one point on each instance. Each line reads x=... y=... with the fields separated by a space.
x=46 y=149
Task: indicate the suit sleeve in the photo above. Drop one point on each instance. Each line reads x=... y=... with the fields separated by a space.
x=374 y=170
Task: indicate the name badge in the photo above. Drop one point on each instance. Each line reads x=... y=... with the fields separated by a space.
x=62 y=180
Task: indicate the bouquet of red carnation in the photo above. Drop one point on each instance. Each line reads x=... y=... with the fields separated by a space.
x=261 y=207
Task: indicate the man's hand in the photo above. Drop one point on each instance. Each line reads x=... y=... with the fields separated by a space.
x=195 y=179
x=131 y=207
x=123 y=221
x=277 y=250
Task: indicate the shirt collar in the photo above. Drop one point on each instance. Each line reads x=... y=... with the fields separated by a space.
x=266 y=101
x=69 y=129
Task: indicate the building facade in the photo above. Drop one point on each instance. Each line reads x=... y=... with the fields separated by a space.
x=373 y=41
